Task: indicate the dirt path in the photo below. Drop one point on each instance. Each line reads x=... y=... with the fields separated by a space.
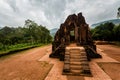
x=25 y=65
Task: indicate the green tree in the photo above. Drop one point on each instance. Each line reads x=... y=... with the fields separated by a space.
x=31 y=33
x=103 y=32
x=116 y=31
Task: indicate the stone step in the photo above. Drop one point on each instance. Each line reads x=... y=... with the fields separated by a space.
x=82 y=50
x=78 y=60
x=74 y=51
x=76 y=71
x=66 y=68
x=82 y=57
x=82 y=60
x=75 y=67
x=67 y=53
x=84 y=64
x=67 y=50
x=79 y=63
x=75 y=63
x=75 y=57
x=78 y=57
x=83 y=53
x=78 y=54
x=75 y=54
x=67 y=62
x=67 y=57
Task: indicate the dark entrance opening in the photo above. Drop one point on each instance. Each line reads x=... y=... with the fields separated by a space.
x=72 y=36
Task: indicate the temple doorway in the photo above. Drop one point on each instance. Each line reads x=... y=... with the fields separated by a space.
x=72 y=36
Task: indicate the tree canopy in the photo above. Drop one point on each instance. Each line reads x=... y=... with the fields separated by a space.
x=31 y=32
x=107 y=32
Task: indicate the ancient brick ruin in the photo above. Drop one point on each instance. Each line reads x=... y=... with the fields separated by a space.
x=73 y=31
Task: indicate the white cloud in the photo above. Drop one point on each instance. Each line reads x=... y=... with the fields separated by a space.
x=51 y=13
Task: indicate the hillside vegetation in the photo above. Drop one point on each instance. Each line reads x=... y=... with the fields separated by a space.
x=30 y=35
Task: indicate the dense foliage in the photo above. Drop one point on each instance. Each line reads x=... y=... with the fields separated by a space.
x=106 y=32
x=31 y=33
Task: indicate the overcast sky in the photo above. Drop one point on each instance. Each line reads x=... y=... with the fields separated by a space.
x=51 y=13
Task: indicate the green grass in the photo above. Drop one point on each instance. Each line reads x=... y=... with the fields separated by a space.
x=18 y=47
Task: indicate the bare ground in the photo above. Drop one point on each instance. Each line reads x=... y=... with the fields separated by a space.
x=111 y=50
x=111 y=68
x=25 y=65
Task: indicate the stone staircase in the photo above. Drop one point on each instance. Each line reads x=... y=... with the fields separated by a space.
x=75 y=62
